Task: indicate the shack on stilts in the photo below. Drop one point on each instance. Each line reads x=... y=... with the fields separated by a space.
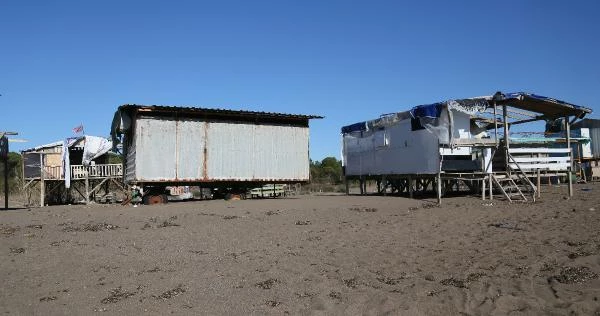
x=459 y=143
x=76 y=170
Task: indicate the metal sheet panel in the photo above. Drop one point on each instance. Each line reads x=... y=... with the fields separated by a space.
x=192 y=149
x=156 y=154
x=405 y=152
x=257 y=152
x=595 y=136
x=191 y=142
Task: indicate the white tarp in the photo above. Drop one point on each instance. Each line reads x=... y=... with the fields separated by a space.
x=94 y=147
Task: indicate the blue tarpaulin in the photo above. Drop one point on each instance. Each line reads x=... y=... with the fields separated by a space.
x=427 y=110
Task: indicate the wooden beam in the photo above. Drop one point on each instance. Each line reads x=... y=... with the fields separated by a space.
x=570 y=168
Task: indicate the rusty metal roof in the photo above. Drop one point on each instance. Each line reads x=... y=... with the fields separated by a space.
x=198 y=111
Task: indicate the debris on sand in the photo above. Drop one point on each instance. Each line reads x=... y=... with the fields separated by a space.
x=117 y=294
x=475 y=276
x=199 y=252
x=87 y=227
x=272 y=303
x=577 y=254
x=572 y=275
x=168 y=222
x=267 y=284
x=8 y=230
x=429 y=205
x=454 y=282
x=505 y=226
x=390 y=281
x=302 y=222
x=17 y=250
x=549 y=266
x=364 y=209
x=34 y=226
x=351 y=283
x=48 y=298
x=170 y=293
x=269 y=213
x=226 y=217
x=435 y=292
x=335 y=295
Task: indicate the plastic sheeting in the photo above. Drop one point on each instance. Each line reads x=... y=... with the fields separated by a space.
x=66 y=160
x=95 y=147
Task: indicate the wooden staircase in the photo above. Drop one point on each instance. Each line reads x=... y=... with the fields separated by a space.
x=513 y=187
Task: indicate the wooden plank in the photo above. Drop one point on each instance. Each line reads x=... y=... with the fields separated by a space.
x=548 y=166
x=538 y=150
x=542 y=159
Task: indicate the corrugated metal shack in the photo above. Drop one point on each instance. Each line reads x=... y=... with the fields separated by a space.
x=593 y=125
x=448 y=145
x=591 y=161
x=168 y=145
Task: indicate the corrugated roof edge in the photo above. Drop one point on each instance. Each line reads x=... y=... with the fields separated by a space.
x=198 y=110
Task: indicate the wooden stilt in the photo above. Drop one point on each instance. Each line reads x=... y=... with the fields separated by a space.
x=42 y=184
x=570 y=169
x=439 y=188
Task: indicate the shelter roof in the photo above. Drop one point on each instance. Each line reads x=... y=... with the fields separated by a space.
x=212 y=112
x=547 y=107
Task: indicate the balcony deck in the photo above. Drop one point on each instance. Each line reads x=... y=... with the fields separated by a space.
x=79 y=172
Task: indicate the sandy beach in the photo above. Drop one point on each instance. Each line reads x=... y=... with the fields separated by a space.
x=307 y=255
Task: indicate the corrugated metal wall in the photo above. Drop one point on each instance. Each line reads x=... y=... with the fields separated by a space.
x=595 y=136
x=257 y=152
x=194 y=150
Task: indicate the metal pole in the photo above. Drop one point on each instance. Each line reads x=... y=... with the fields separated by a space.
x=87 y=187
x=506 y=142
x=42 y=184
x=6 y=183
x=570 y=168
x=439 y=188
x=483 y=189
x=490 y=186
x=495 y=125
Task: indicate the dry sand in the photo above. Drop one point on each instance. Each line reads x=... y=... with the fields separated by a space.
x=311 y=255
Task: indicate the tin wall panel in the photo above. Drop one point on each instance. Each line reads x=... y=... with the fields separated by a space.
x=595 y=136
x=156 y=154
x=244 y=152
x=190 y=149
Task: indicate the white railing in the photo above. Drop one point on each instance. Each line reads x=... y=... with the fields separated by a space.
x=532 y=159
x=96 y=171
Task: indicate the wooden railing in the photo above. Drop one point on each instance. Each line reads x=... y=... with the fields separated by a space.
x=79 y=171
x=96 y=171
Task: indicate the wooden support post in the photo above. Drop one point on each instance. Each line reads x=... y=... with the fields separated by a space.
x=6 y=181
x=42 y=184
x=347 y=185
x=483 y=188
x=410 y=187
x=539 y=183
x=87 y=187
x=491 y=186
x=384 y=181
x=506 y=138
x=570 y=168
x=439 y=188
x=495 y=125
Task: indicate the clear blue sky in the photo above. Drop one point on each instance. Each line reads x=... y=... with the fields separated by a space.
x=63 y=63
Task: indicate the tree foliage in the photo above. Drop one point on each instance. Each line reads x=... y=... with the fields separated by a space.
x=328 y=170
x=15 y=170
